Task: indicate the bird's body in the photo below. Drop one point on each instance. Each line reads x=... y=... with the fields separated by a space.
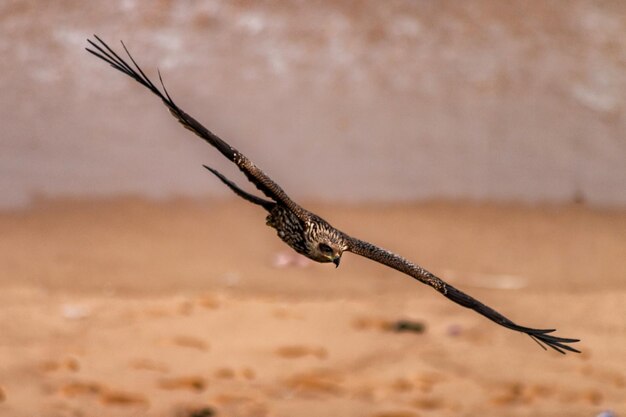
x=289 y=228
x=305 y=232
x=305 y=237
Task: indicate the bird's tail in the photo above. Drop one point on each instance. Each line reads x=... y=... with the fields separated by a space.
x=266 y=204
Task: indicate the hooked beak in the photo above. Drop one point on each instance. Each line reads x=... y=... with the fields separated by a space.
x=336 y=261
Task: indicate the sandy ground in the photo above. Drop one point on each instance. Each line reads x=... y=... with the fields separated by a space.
x=132 y=308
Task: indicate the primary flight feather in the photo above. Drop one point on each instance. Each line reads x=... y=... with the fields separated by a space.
x=302 y=230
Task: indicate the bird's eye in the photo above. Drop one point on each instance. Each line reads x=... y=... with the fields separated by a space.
x=325 y=248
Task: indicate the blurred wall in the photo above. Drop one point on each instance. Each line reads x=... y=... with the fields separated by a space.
x=338 y=100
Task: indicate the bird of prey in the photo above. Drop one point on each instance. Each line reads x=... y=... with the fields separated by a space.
x=305 y=232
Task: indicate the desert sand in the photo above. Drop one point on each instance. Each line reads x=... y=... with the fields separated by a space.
x=129 y=307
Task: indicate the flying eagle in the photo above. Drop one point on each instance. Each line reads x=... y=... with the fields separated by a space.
x=305 y=232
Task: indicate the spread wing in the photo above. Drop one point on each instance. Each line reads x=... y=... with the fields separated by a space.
x=541 y=336
x=251 y=171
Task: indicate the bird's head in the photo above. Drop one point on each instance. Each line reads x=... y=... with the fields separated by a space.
x=325 y=252
x=326 y=245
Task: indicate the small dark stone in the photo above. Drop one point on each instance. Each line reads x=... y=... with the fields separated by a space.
x=407 y=326
x=202 y=412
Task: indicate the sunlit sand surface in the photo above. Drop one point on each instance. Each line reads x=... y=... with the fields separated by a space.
x=132 y=308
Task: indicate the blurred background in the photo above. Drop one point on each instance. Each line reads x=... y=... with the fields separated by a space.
x=371 y=101
x=484 y=140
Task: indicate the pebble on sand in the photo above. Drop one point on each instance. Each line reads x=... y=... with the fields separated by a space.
x=75 y=311
x=607 y=413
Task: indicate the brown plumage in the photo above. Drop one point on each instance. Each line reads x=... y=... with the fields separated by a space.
x=302 y=230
